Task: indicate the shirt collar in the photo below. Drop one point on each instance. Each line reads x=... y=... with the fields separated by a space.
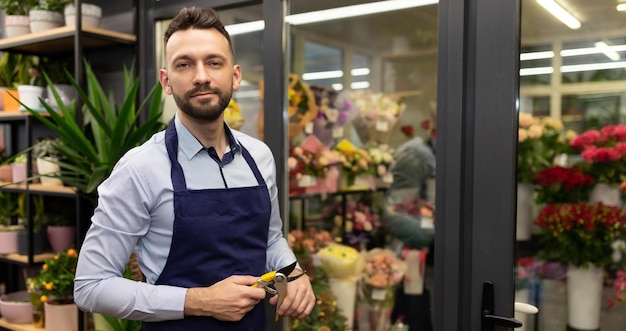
x=192 y=146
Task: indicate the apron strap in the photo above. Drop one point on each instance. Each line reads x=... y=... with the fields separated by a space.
x=171 y=143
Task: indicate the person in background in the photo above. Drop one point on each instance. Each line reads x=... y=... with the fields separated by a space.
x=197 y=203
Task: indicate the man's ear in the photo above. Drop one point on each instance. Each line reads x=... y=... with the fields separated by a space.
x=165 y=81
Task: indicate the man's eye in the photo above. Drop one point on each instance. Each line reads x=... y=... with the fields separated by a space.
x=182 y=65
x=215 y=63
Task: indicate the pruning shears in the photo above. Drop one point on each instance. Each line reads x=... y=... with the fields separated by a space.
x=275 y=282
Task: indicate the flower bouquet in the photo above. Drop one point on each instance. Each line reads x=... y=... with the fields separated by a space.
x=409 y=218
x=312 y=168
x=580 y=234
x=362 y=223
x=332 y=115
x=382 y=273
x=381 y=161
x=604 y=153
x=376 y=115
x=540 y=141
x=343 y=266
x=562 y=185
x=356 y=166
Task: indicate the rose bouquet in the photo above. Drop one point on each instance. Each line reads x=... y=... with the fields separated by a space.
x=562 y=185
x=580 y=233
x=382 y=159
x=619 y=288
x=361 y=225
x=355 y=161
x=604 y=152
x=540 y=141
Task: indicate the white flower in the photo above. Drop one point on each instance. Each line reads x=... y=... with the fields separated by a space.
x=619 y=247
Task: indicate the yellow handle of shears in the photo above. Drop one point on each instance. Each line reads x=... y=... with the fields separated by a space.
x=267 y=277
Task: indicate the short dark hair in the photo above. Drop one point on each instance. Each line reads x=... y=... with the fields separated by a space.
x=196 y=18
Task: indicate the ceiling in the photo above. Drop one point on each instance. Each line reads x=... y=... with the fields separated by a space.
x=598 y=18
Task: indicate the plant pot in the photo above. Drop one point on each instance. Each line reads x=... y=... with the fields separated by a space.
x=48 y=166
x=6 y=173
x=67 y=93
x=91 y=15
x=8 y=242
x=30 y=95
x=18 y=171
x=607 y=194
x=43 y=20
x=9 y=100
x=584 y=297
x=61 y=317
x=524 y=215
x=61 y=237
x=16 y=307
x=40 y=242
x=16 y=25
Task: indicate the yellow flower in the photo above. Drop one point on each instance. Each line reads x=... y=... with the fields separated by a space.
x=49 y=286
x=323 y=328
x=72 y=253
x=535 y=131
x=525 y=120
x=43 y=298
x=45 y=267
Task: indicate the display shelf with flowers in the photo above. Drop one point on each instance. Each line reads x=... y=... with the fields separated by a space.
x=376 y=115
x=382 y=273
x=619 y=288
x=540 y=141
x=409 y=218
x=233 y=115
x=559 y=184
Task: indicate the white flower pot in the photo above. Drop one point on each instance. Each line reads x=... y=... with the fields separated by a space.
x=30 y=94
x=43 y=20
x=91 y=15
x=607 y=194
x=584 y=297
x=48 y=166
x=16 y=25
x=67 y=93
x=345 y=292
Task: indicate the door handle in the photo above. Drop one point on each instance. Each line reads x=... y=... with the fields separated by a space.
x=488 y=320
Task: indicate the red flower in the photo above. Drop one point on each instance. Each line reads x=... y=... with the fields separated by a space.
x=408 y=130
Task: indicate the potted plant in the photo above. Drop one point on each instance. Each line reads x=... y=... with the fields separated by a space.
x=90 y=148
x=18 y=168
x=61 y=224
x=55 y=69
x=47 y=157
x=8 y=230
x=90 y=14
x=55 y=284
x=13 y=72
x=16 y=21
x=47 y=14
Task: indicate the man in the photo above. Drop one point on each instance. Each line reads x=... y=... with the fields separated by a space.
x=197 y=203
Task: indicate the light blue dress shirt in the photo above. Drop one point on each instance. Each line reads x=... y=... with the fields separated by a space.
x=135 y=212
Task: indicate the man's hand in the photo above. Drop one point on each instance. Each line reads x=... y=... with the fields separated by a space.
x=299 y=300
x=227 y=300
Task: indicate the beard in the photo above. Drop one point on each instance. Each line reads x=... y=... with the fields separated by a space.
x=205 y=110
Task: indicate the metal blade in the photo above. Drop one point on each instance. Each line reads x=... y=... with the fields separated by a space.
x=288 y=269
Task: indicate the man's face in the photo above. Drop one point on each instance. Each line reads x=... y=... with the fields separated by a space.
x=200 y=73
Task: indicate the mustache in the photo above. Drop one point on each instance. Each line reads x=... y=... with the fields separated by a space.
x=203 y=89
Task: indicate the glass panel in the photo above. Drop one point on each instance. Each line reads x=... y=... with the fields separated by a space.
x=359 y=68
x=576 y=76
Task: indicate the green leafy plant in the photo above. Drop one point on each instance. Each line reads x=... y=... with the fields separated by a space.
x=14 y=69
x=17 y=7
x=90 y=148
x=8 y=210
x=52 y=5
x=55 y=281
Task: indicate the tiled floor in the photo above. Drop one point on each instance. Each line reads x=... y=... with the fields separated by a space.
x=553 y=311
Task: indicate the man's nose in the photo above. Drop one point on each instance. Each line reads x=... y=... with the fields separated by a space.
x=201 y=75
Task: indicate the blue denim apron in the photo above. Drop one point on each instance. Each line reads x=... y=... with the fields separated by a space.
x=217 y=233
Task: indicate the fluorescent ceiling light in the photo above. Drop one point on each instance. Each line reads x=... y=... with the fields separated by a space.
x=536 y=71
x=570 y=52
x=560 y=13
x=593 y=66
x=333 y=14
x=621 y=6
x=355 y=10
x=536 y=55
x=334 y=74
x=607 y=50
x=359 y=85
